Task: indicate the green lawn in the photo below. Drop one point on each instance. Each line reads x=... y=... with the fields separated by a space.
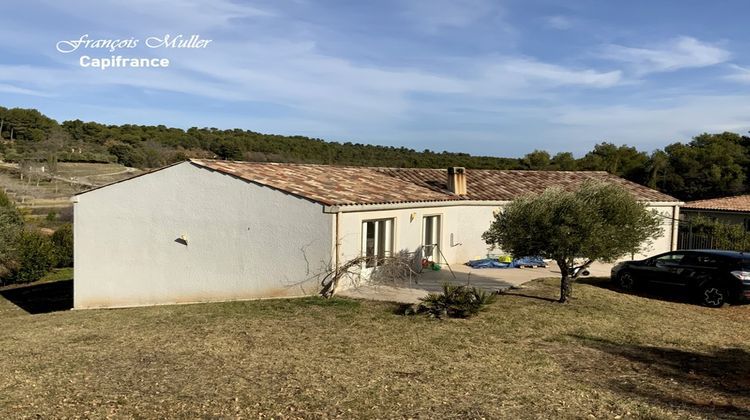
x=605 y=354
x=58 y=274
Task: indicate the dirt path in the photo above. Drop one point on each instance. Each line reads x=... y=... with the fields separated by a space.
x=87 y=178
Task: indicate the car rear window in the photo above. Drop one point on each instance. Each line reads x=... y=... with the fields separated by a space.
x=745 y=265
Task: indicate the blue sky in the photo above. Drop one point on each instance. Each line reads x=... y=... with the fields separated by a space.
x=486 y=77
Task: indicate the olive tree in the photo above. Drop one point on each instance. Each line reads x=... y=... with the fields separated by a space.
x=596 y=222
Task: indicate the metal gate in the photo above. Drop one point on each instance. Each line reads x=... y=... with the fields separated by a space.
x=688 y=239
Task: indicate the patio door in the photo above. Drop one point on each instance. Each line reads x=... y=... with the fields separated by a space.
x=431 y=237
x=377 y=241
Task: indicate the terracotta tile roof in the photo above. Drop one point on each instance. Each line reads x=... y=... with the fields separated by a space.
x=500 y=185
x=349 y=185
x=330 y=185
x=737 y=203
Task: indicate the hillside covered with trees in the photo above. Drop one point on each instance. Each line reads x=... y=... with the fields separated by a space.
x=709 y=165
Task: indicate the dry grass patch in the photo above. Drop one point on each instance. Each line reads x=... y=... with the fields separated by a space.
x=605 y=354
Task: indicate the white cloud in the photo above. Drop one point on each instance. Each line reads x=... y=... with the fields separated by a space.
x=653 y=124
x=740 y=74
x=532 y=72
x=432 y=15
x=9 y=88
x=148 y=15
x=675 y=54
x=558 y=22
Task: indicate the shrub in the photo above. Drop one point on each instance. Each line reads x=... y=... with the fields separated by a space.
x=128 y=155
x=62 y=240
x=454 y=302
x=5 y=201
x=716 y=234
x=65 y=214
x=36 y=256
x=11 y=224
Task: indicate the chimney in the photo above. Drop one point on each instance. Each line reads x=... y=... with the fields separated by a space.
x=457 y=180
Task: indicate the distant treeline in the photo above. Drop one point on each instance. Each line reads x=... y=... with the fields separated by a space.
x=710 y=165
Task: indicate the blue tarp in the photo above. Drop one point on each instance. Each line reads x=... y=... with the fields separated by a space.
x=488 y=263
x=494 y=263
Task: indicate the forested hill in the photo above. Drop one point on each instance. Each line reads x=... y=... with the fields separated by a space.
x=709 y=165
x=36 y=136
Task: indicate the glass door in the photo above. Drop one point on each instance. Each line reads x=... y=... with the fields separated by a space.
x=431 y=238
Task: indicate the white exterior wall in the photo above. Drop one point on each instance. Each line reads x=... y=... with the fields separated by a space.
x=462 y=228
x=244 y=241
x=668 y=240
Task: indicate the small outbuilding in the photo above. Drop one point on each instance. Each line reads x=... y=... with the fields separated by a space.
x=731 y=210
x=205 y=230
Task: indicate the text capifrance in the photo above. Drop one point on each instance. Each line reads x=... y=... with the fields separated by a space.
x=91 y=49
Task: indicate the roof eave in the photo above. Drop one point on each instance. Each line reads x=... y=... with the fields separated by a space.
x=704 y=209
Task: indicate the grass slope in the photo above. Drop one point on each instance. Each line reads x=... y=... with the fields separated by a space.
x=605 y=355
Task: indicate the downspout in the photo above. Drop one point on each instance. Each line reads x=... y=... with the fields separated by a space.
x=671 y=233
x=337 y=245
x=675 y=229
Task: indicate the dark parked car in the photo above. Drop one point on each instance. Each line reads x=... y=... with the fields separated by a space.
x=714 y=277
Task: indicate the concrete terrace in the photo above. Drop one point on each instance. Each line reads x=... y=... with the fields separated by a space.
x=489 y=279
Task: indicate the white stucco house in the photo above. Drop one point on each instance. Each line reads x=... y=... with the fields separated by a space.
x=205 y=230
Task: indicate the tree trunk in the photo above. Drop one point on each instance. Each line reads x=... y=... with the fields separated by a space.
x=566 y=285
x=566 y=288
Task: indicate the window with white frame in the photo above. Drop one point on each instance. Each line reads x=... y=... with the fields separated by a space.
x=377 y=241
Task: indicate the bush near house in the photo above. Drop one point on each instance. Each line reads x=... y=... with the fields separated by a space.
x=26 y=255
x=62 y=240
x=36 y=256
x=719 y=235
x=11 y=225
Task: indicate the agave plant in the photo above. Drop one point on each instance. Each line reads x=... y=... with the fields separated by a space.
x=454 y=302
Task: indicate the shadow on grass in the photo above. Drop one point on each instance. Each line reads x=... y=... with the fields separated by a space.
x=546 y=299
x=665 y=293
x=335 y=301
x=713 y=385
x=401 y=308
x=43 y=297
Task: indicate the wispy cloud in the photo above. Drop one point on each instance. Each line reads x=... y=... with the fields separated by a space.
x=675 y=54
x=529 y=73
x=195 y=15
x=739 y=74
x=432 y=15
x=654 y=123
x=298 y=75
x=9 y=88
x=559 y=22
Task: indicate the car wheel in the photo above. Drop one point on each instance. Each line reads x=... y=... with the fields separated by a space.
x=626 y=281
x=713 y=296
